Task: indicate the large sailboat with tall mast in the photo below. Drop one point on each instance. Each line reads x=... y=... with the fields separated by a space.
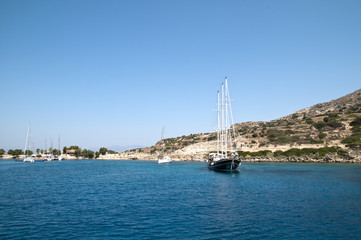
x=226 y=158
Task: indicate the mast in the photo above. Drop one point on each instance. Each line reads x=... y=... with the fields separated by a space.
x=27 y=138
x=226 y=117
x=222 y=121
x=162 y=138
x=59 y=145
x=218 y=123
x=231 y=115
x=51 y=146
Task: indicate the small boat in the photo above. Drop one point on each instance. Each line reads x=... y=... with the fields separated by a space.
x=162 y=158
x=226 y=158
x=27 y=158
x=165 y=159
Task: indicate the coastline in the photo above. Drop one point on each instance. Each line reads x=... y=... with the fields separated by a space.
x=202 y=157
x=326 y=159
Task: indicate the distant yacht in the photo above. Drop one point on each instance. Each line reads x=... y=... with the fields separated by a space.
x=165 y=159
x=48 y=158
x=162 y=158
x=27 y=158
x=225 y=159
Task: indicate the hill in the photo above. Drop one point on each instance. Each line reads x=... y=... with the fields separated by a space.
x=327 y=131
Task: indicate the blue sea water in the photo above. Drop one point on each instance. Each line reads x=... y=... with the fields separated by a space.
x=91 y=199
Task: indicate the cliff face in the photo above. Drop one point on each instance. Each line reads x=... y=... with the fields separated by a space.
x=322 y=126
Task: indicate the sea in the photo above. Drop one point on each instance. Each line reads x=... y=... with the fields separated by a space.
x=117 y=199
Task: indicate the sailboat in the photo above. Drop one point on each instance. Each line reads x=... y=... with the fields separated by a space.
x=162 y=157
x=226 y=158
x=59 y=155
x=27 y=158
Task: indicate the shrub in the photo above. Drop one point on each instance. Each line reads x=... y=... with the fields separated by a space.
x=322 y=135
x=319 y=125
x=342 y=152
x=354 y=141
x=310 y=121
x=313 y=152
x=327 y=123
x=211 y=138
x=263 y=153
x=316 y=141
x=356 y=122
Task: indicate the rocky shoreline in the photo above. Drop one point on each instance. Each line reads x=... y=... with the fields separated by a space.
x=326 y=159
x=305 y=159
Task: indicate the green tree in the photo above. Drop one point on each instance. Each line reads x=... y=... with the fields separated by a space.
x=103 y=151
x=28 y=152
x=64 y=149
x=18 y=152
x=87 y=154
x=2 y=151
x=37 y=151
x=15 y=152
x=97 y=154
x=56 y=152
x=77 y=152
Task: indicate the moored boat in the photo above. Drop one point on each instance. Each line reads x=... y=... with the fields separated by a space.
x=223 y=163
x=27 y=157
x=163 y=158
x=226 y=158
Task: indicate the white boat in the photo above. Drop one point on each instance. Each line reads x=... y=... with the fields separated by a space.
x=162 y=158
x=165 y=159
x=27 y=158
x=226 y=158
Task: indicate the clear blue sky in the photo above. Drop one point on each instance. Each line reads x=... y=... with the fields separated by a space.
x=104 y=73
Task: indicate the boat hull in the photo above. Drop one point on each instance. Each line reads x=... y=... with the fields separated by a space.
x=226 y=164
x=161 y=161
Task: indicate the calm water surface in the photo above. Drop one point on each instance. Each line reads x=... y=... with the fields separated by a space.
x=87 y=199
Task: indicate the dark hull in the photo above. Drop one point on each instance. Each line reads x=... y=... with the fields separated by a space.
x=224 y=164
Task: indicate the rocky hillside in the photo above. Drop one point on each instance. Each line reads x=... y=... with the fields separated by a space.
x=324 y=132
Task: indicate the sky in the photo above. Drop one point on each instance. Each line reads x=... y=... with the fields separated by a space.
x=112 y=73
